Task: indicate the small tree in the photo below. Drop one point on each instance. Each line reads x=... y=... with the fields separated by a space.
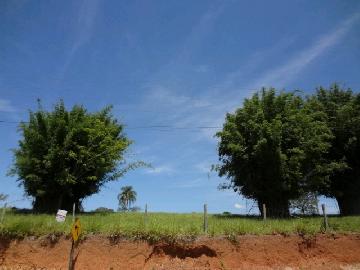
x=3 y=197
x=103 y=210
x=126 y=198
x=135 y=209
x=307 y=204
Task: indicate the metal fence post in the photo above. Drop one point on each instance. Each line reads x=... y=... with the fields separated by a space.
x=145 y=217
x=205 y=219
x=73 y=220
x=264 y=211
x=326 y=223
x=3 y=213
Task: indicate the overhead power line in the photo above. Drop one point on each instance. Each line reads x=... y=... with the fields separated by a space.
x=158 y=128
x=172 y=127
x=11 y=122
x=154 y=127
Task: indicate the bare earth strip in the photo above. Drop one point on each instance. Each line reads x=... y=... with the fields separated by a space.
x=243 y=252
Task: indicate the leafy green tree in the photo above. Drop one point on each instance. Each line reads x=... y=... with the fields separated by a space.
x=103 y=210
x=3 y=197
x=306 y=204
x=342 y=107
x=271 y=149
x=126 y=198
x=65 y=156
x=135 y=209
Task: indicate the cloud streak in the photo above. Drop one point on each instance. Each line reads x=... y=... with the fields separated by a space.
x=198 y=182
x=83 y=31
x=177 y=108
x=285 y=73
x=239 y=206
x=226 y=96
x=203 y=167
x=6 y=106
x=85 y=23
x=160 y=170
x=198 y=33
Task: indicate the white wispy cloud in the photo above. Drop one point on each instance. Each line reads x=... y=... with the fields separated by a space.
x=239 y=206
x=238 y=78
x=181 y=109
x=86 y=19
x=204 y=167
x=83 y=30
x=191 y=44
x=167 y=169
x=281 y=75
x=198 y=182
x=163 y=96
x=163 y=91
x=202 y=68
x=187 y=111
x=198 y=33
x=6 y=106
x=184 y=109
x=226 y=95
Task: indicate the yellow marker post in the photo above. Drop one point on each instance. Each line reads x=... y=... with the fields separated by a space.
x=76 y=230
x=75 y=233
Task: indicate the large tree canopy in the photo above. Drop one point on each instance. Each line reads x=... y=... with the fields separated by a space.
x=272 y=148
x=342 y=107
x=65 y=156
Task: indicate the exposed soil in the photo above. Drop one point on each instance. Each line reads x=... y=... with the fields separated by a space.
x=244 y=252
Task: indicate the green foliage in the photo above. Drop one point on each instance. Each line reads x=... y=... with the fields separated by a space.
x=3 y=197
x=272 y=148
x=306 y=204
x=342 y=108
x=126 y=198
x=135 y=209
x=169 y=227
x=103 y=210
x=65 y=156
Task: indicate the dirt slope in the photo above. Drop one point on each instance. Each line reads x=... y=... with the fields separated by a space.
x=244 y=252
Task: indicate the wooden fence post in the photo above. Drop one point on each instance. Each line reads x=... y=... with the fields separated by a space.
x=145 y=218
x=205 y=219
x=73 y=220
x=264 y=211
x=3 y=213
x=326 y=224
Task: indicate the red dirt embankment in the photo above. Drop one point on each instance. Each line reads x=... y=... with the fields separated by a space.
x=244 y=252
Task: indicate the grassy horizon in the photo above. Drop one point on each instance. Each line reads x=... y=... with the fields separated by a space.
x=157 y=226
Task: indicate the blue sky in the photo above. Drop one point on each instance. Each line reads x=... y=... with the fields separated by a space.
x=177 y=63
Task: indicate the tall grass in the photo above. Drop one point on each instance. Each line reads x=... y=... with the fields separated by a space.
x=168 y=225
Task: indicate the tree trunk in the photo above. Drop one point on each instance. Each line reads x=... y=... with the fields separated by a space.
x=349 y=205
x=46 y=204
x=51 y=203
x=275 y=208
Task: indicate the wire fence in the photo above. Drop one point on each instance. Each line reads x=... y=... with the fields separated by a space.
x=264 y=214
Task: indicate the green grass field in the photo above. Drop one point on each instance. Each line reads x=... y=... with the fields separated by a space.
x=169 y=226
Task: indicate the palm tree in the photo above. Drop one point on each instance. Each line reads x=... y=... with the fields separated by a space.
x=126 y=197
